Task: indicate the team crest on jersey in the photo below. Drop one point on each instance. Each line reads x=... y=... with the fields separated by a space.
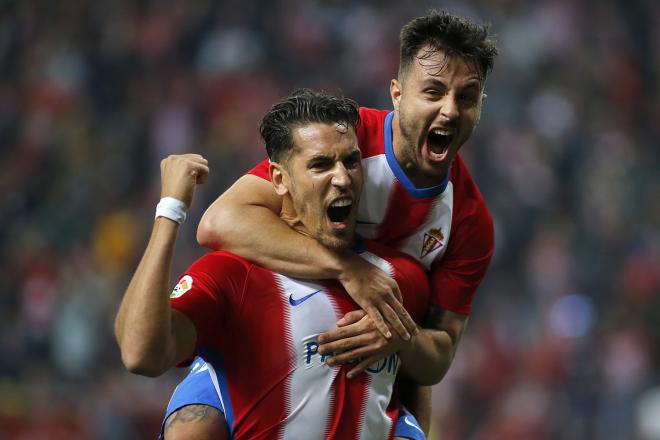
x=184 y=285
x=432 y=241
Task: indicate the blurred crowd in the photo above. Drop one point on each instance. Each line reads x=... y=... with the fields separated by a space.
x=564 y=339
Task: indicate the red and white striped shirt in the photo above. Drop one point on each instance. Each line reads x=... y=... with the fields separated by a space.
x=258 y=331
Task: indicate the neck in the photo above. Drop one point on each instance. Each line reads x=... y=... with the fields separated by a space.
x=289 y=215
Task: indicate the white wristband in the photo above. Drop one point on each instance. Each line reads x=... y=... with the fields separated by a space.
x=171 y=208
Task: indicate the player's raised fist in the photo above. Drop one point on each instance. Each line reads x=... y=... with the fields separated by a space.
x=180 y=173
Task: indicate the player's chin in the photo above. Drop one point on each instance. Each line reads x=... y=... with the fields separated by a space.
x=339 y=236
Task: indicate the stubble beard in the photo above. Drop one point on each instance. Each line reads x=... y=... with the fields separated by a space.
x=408 y=147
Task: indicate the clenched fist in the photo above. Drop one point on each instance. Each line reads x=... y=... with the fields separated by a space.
x=180 y=174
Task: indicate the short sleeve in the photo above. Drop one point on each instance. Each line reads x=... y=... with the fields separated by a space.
x=208 y=292
x=456 y=277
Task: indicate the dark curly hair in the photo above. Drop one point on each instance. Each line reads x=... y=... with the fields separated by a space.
x=451 y=34
x=303 y=106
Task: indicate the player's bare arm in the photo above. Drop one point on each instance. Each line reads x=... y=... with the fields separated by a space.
x=428 y=357
x=245 y=220
x=152 y=337
x=417 y=399
x=425 y=358
x=196 y=422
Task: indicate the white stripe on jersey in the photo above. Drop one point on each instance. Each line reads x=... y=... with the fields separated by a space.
x=309 y=399
x=308 y=402
x=377 y=425
x=377 y=191
x=439 y=218
x=378 y=185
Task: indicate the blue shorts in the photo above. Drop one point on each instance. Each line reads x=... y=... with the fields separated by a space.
x=198 y=388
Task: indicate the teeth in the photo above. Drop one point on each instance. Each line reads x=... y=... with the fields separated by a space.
x=442 y=132
x=341 y=203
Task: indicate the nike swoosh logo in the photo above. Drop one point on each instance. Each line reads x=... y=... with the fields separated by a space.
x=409 y=423
x=296 y=302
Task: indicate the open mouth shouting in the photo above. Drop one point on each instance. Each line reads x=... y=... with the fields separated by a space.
x=438 y=141
x=339 y=212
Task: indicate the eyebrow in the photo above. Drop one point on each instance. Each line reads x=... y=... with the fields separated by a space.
x=320 y=156
x=472 y=82
x=434 y=81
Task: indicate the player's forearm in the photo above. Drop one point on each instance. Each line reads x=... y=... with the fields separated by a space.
x=143 y=323
x=417 y=400
x=428 y=357
x=258 y=234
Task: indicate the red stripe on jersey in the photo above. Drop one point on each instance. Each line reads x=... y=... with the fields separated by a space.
x=404 y=214
x=347 y=409
x=370 y=131
x=411 y=278
x=393 y=411
x=256 y=342
x=350 y=402
x=456 y=277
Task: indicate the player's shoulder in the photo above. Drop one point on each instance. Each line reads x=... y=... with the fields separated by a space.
x=402 y=263
x=472 y=224
x=370 y=115
x=410 y=276
x=468 y=199
x=371 y=131
x=222 y=264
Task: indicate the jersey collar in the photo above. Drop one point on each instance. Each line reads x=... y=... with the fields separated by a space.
x=418 y=193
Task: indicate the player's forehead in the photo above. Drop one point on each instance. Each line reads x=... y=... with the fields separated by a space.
x=436 y=64
x=324 y=139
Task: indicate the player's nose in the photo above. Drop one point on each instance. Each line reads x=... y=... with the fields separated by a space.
x=449 y=110
x=340 y=176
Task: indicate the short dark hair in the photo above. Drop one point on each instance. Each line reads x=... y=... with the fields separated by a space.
x=303 y=106
x=451 y=34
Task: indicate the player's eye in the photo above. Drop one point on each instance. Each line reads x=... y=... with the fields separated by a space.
x=319 y=164
x=469 y=98
x=352 y=162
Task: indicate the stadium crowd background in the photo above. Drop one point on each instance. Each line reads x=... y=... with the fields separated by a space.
x=564 y=338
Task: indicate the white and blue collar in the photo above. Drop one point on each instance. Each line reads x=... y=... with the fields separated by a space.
x=418 y=193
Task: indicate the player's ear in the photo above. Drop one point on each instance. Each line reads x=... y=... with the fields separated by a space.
x=480 y=106
x=279 y=177
x=395 y=93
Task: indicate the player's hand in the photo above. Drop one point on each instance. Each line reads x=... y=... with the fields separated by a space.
x=180 y=174
x=357 y=340
x=378 y=295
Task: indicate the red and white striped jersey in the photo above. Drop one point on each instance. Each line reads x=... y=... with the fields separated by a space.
x=258 y=331
x=446 y=227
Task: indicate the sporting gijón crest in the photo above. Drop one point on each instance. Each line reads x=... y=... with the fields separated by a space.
x=432 y=241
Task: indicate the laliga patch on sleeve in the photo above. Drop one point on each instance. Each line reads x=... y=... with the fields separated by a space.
x=184 y=285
